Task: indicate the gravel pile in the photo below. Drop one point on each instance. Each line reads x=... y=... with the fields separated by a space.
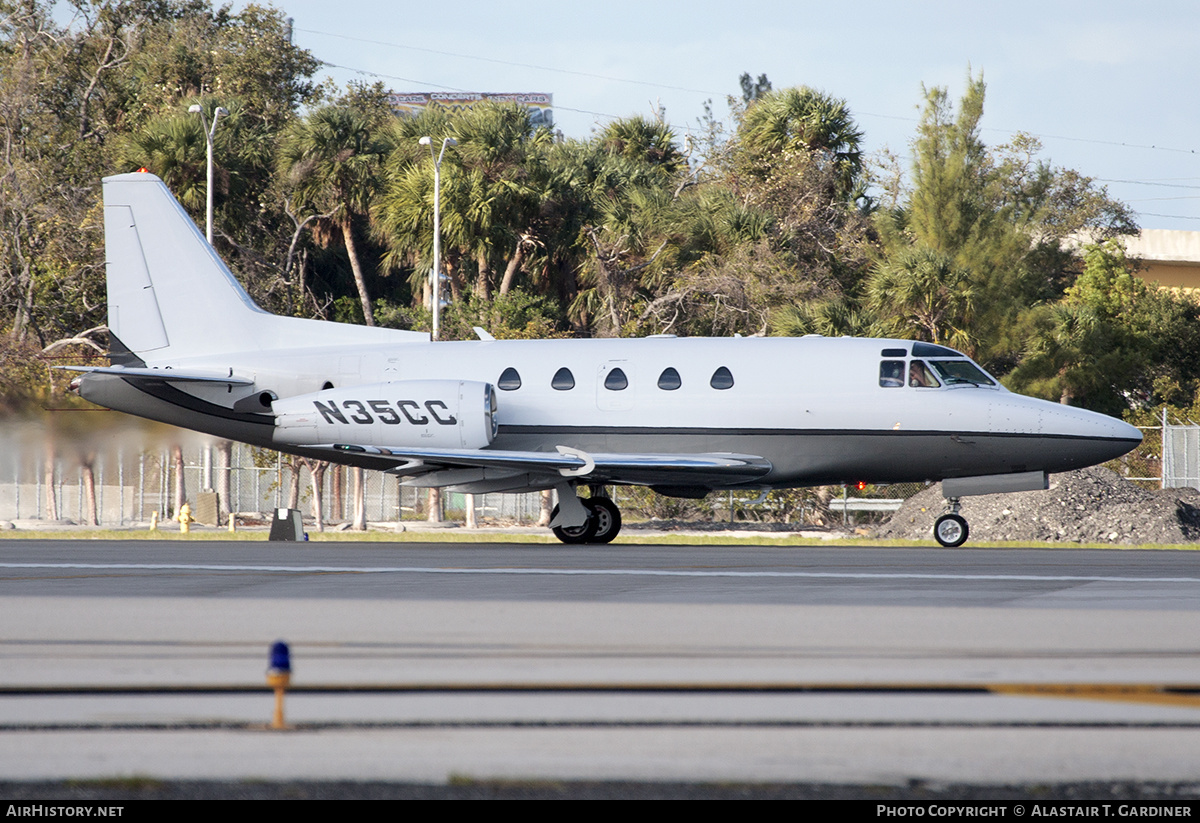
x=1089 y=506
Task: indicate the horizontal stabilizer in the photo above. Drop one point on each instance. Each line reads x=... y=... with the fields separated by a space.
x=168 y=374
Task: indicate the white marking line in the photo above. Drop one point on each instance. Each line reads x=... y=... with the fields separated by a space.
x=1050 y=578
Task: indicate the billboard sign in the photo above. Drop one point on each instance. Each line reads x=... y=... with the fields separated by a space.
x=541 y=106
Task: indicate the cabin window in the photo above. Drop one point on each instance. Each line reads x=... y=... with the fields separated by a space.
x=891 y=373
x=510 y=380
x=669 y=380
x=721 y=379
x=563 y=380
x=919 y=376
x=616 y=380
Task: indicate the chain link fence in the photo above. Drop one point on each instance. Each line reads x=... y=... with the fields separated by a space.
x=120 y=478
x=116 y=480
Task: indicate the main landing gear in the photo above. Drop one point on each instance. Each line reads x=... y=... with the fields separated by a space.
x=603 y=520
x=950 y=529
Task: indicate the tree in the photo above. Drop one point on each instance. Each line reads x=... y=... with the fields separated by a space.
x=998 y=214
x=753 y=89
x=333 y=159
x=71 y=92
x=829 y=317
x=1113 y=343
x=947 y=207
x=920 y=294
x=493 y=189
x=803 y=119
x=640 y=140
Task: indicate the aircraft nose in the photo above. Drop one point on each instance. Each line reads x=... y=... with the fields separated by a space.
x=1096 y=438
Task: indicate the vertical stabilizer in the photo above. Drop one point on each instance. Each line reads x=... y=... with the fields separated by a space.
x=171 y=297
x=168 y=291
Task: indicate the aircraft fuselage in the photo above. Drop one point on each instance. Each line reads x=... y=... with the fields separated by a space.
x=813 y=407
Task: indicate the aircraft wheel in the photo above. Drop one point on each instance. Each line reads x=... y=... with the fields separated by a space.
x=607 y=518
x=575 y=534
x=950 y=530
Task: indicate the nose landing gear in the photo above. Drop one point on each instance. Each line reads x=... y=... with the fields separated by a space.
x=950 y=530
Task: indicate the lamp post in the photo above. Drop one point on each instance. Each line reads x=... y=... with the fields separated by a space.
x=209 y=131
x=437 y=229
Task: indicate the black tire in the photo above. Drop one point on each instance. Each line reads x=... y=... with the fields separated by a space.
x=607 y=518
x=574 y=535
x=950 y=530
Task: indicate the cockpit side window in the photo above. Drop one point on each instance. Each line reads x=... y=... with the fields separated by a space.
x=891 y=373
x=920 y=376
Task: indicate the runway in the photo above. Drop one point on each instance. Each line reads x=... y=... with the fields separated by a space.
x=421 y=662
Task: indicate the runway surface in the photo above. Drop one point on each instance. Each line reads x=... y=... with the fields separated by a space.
x=419 y=662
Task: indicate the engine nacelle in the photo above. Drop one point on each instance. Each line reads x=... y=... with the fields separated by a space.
x=442 y=414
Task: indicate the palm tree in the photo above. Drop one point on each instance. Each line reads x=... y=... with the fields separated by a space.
x=831 y=317
x=493 y=187
x=645 y=141
x=804 y=119
x=172 y=147
x=923 y=294
x=333 y=160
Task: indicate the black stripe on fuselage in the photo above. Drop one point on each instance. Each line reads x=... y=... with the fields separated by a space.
x=719 y=431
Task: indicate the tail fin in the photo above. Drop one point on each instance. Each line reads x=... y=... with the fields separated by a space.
x=170 y=296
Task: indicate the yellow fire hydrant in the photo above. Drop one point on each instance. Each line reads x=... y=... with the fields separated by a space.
x=185 y=518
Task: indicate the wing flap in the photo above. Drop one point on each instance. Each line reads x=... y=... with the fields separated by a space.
x=636 y=469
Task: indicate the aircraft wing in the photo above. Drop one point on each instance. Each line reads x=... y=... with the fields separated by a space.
x=639 y=469
x=172 y=375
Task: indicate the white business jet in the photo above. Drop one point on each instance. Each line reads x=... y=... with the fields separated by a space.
x=682 y=416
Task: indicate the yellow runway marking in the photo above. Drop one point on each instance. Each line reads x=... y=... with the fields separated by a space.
x=1159 y=695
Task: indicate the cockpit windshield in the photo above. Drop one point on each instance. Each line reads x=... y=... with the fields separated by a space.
x=930 y=367
x=958 y=372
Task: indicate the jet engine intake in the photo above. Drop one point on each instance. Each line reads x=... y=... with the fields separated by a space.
x=450 y=414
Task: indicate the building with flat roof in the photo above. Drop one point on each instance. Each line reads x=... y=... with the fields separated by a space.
x=1169 y=258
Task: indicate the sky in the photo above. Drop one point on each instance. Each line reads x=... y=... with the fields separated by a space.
x=1110 y=89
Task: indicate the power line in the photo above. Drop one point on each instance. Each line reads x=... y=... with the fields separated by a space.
x=552 y=69
x=449 y=88
x=1160 y=199
x=1149 y=183
x=509 y=62
x=1171 y=216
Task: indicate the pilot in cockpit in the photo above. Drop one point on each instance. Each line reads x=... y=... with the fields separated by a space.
x=920 y=376
x=891 y=373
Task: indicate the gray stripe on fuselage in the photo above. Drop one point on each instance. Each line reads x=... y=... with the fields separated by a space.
x=816 y=457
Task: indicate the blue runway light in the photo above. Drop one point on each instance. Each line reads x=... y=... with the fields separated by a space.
x=281 y=657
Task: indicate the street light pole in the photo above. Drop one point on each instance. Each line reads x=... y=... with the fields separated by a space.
x=209 y=131
x=437 y=229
